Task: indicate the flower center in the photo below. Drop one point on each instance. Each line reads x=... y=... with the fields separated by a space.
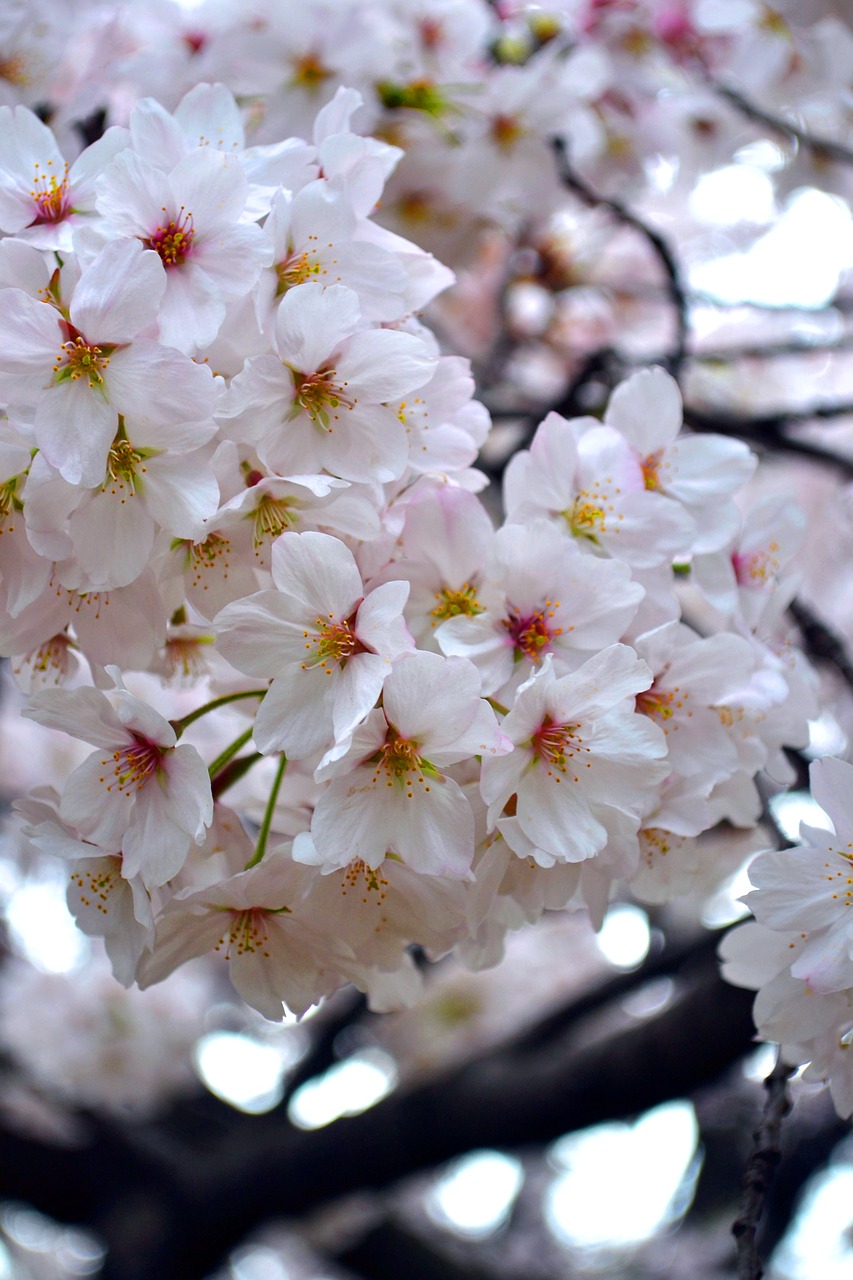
x=247 y=934
x=587 y=518
x=122 y=463
x=173 y=240
x=506 y=131
x=656 y=843
x=398 y=759
x=132 y=766
x=532 y=633
x=650 y=467
x=50 y=660
x=361 y=879
x=14 y=70
x=317 y=393
x=757 y=568
x=661 y=704
x=271 y=517
x=10 y=505
x=95 y=885
x=453 y=603
x=557 y=745
x=297 y=268
x=80 y=359
x=332 y=643
x=309 y=71
x=50 y=196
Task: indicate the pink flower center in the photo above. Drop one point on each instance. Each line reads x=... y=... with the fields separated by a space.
x=173 y=240
x=133 y=766
x=757 y=568
x=557 y=746
x=50 y=196
x=532 y=633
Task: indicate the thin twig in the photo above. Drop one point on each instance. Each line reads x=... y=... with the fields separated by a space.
x=677 y=293
x=822 y=148
x=761 y=1166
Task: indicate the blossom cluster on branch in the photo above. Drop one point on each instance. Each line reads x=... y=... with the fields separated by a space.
x=236 y=459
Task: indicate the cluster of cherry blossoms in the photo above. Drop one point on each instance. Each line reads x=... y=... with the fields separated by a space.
x=798 y=952
x=234 y=459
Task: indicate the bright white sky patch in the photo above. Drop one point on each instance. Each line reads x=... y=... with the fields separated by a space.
x=790 y=808
x=241 y=1071
x=624 y=937
x=42 y=928
x=257 y=1263
x=345 y=1090
x=475 y=1194
x=623 y=1182
x=798 y=262
x=819 y=1242
x=737 y=193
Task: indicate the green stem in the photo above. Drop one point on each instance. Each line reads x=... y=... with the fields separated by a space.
x=233 y=772
x=180 y=725
x=230 y=752
x=263 y=834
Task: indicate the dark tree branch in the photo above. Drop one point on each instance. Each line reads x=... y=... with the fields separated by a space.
x=822 y=148
x=766 y=1154
x=768 y=431
x=821 y=642
x=171 y=1200
x=677 y=293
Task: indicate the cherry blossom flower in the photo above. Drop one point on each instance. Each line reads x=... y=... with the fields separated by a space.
x=81 y=371
x=253 y=919
x=551 y=599
x=190 y=219
x=42 y=197
x=390 y=792
x=327 y=645
x=138 y=793
x=581 y=752
x=320 y=404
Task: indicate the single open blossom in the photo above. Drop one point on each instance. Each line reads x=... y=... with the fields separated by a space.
x=138 y=793
x=42 y=197
x=189 y=218
x=77 y=371
x=581 y=751
x=327 y=645
x=255 y=922
x=701 y=472
x=542 y=596
x=103 y=902
x=809 y=888
x=585 y=476
x=320 y=403
x=390 y=793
